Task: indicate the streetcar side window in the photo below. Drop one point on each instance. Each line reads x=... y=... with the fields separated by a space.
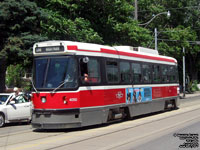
x=156 y=74
x=164 y=72
x=90 y=71
x=125 y=72
x=112 y=72
x=172 y=74
x=146 y=72
x=176 y=74
x=137 y=72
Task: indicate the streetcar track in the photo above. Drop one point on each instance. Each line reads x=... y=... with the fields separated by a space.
x=16 y=133
x=72 y=130
x=32 y=140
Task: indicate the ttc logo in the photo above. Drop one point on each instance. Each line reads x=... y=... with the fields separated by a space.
x=119 y=95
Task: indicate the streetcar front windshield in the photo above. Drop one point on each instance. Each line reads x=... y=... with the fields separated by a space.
x=53 y=72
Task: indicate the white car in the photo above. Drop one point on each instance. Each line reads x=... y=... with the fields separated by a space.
x=15 y=110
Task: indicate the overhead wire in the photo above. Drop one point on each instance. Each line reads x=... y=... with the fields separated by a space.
x=174 y=8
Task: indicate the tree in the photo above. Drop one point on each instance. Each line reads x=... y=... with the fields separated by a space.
x=178 y=31
x=65 y=22
x=14 y=74
x=19 y=29
x=107 y=22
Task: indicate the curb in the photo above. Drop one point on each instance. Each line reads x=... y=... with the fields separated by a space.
x=196 y=94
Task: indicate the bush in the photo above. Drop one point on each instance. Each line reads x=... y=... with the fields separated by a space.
x=193 y=86
x=14 y=77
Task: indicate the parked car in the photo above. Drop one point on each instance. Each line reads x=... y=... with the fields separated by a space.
x=14 y=110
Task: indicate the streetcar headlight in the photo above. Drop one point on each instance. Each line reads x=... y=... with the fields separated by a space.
x=178 y=90
x=65 y=100
x=43 y=99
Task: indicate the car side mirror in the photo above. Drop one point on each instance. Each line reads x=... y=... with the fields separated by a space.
x=12 y=102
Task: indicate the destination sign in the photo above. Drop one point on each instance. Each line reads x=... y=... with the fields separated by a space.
x=49 y=49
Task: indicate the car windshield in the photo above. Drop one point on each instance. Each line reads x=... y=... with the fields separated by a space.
x=52 y=72
x=3 y=99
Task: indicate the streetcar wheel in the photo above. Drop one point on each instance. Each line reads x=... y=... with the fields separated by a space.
x=2 y=120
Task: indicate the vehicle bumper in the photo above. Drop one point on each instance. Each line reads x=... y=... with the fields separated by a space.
x=56 y=118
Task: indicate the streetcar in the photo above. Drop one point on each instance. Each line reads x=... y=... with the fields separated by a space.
x=81 y=84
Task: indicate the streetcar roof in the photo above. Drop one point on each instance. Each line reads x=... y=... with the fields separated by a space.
x=90 y=49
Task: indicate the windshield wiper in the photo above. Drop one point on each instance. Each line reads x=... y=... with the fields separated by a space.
x=63 y=82
x=34 y=86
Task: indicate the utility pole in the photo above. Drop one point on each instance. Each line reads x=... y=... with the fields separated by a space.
x=183 y=72
x=136 y=10
x=156 y=39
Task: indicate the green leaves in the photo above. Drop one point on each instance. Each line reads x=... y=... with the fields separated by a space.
x=19 y=26
x=59 y=27
x=14 y=74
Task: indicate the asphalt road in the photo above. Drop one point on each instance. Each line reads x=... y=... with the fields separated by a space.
x=165 y=130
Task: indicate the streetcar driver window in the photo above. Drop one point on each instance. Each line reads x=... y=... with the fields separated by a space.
x=84 y=70
x=90 y=71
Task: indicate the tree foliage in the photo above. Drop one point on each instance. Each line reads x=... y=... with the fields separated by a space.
x=20 y=28
x=106 y=21
x=178 y=31
x=14 y=74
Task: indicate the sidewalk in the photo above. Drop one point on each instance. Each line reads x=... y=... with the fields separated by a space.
x=187 y=95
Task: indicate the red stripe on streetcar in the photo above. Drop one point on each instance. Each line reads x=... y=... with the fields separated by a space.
x=83 y=50
x=109 y=51
x=72 y=47
x=146 y=57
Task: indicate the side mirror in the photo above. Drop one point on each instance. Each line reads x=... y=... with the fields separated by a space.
x=86 y=59
x=12 y=102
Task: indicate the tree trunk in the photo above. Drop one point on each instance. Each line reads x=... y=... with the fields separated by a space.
x=2 y=74
x=192 y=67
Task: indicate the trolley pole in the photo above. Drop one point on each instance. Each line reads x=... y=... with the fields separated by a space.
x=156 y=39
x=136 y=10
x=183 y=72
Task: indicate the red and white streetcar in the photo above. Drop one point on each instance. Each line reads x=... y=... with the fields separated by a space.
x=80 y=84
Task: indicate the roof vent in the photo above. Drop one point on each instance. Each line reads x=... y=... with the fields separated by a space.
x=138 y=49
x=124 y=48
x=147 y=50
